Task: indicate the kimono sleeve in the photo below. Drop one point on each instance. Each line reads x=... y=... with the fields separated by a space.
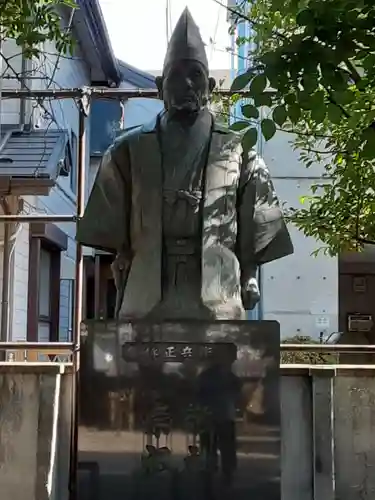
x=105 y=223
x=262 y=233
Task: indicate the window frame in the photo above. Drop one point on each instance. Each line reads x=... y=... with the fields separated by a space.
x=50 y=238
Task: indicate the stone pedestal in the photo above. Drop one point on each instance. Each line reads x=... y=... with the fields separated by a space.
x=182 y=409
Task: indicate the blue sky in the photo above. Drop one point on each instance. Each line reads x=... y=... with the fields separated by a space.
x=139 y=35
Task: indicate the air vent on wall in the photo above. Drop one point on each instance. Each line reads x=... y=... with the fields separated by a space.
x=360 y=322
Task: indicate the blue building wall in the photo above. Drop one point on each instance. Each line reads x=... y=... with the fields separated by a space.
x=106 y=116
x=105 y=120
x=240 y=63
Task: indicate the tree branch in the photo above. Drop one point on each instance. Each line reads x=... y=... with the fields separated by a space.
x=305 y=134
x=316 y=151
x=20 y=78
x=353 y=72
x=243 y=17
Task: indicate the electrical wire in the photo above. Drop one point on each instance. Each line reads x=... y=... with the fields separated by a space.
x=49 y=76
x=1 y=85
x=167 y=20
x=213 y=39
x=170 y=17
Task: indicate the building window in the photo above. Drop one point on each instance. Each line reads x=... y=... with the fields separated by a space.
x=66 y=310
x=43 y=310
x=44 y=298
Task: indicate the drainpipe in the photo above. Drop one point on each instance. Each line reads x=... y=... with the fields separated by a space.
x=6 y=273
x=23 y=86
x=1 y=80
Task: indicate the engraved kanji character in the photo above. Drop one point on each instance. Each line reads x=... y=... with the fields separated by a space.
x=155 y=352
x=187 y=352
x=170 y=352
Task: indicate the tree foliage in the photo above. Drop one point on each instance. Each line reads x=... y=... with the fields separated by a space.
x=32 y=22
x=220 y=106
x=312 y=73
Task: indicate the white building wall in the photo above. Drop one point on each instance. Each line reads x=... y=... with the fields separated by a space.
x=19 y=286
x=299 y=291
x=10 y=66
x=67 y=72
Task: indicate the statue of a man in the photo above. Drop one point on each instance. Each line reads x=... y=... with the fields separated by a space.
x=188 y=213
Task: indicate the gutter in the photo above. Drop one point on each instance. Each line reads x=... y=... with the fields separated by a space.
x=94 y=20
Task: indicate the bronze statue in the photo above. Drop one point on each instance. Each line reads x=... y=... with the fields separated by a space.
x=188 y=213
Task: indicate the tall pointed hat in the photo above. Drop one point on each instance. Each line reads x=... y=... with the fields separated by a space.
x=186 y=42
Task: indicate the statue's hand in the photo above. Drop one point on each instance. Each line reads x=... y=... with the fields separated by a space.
x=250 y=294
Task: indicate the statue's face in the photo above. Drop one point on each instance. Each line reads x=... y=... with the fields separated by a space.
x=185 y=87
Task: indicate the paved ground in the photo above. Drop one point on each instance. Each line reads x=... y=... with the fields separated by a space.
x=118 y=454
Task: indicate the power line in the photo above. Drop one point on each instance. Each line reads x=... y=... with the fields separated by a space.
x=99 y=93
x=167 y=20
x=213 y=39
x=170 y=17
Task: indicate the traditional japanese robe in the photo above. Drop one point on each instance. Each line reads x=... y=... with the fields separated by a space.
x=242 y=222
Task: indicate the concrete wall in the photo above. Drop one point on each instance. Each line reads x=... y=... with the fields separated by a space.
x=328 y=432
x=299 y=291
x=35 y=402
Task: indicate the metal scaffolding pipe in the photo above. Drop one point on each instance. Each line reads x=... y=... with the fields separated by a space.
x=96 y=93
x=37 y=346
x=328 y=348
x=81 y=177
x=71 y=346
x=7 y=219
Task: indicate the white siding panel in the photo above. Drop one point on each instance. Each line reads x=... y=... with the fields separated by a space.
x=70 y=72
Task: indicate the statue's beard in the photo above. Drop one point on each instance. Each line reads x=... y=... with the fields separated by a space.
x=188 y=105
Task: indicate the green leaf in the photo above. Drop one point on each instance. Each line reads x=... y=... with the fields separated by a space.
x=268 y=128
x=264 y=99
x=317 y=99
x=368 y=134
x=70 y=3
x=305 y=17
x=258 y=84
x=343 y=97
x=368 y=62
x=241 y=81
x=318 y=113
x=334 y=113
x=250 y=139
x=305 y=100
x=250 y=111
x=368 y=137
x=240 y=125
x=290 y=98
x=280 y=115
x=294 y=113
x=368 y=150
x=310 y=82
